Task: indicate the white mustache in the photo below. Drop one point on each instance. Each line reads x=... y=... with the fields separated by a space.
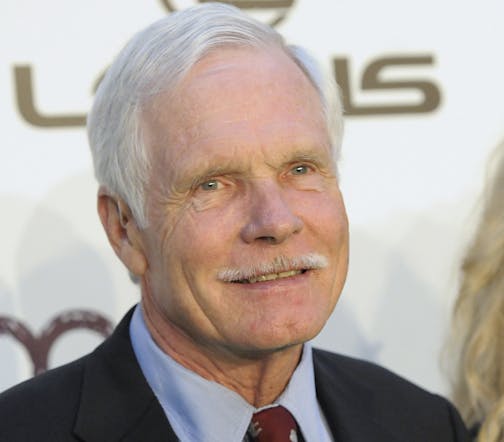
x=280 y=264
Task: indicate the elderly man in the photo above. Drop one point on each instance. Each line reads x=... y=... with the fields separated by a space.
x=214 y=144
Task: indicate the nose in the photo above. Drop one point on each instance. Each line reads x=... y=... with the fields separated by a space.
x=271 y=217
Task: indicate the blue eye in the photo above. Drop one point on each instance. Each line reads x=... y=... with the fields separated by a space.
x=300 y=170
x=210 y=185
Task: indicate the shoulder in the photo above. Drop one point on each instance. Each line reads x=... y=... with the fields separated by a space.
x=367 y=375
x=39 y=407
x=50 y=406
x=397 y=404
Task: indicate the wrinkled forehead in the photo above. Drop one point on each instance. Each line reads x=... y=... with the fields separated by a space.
x=219 y=60
x=233 y=76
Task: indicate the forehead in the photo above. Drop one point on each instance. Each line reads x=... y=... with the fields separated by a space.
x=236 y=97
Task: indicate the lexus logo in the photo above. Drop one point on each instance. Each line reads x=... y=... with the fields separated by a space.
x=268 y=11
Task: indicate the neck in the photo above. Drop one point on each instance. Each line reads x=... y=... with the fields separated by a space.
x=258 y=377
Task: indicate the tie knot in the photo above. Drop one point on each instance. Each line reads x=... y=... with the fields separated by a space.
x=273 y=424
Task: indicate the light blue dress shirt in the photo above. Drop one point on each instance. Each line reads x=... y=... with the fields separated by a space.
x=200 y=410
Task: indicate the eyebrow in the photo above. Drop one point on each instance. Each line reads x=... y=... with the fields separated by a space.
x=207 y=173
x=310 y=156
x=323 y=159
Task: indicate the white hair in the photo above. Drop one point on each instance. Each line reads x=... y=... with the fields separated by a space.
x=155 y=60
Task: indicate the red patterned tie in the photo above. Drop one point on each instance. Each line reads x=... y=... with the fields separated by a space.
x=273 y=424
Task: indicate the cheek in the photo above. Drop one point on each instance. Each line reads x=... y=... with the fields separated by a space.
x=324 y=212
x=337 y=220
x=202 y=238
x=335 y=225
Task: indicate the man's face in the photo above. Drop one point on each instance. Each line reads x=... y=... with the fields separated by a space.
x=247 y=241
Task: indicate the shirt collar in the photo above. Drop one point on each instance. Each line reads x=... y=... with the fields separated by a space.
x=199 y=409
x=301 y=400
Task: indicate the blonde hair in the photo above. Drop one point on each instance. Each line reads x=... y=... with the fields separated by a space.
x=478 y=322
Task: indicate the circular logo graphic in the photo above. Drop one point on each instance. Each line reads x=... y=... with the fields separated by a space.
x=39 y=345
x=268 y=11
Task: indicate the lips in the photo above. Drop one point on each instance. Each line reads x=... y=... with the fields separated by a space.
x=270 y=277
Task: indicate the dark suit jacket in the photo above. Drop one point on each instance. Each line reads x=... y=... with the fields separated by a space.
x=104 y=397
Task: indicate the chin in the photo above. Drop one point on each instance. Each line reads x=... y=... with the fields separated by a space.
x=281 y=339
x=257 y=352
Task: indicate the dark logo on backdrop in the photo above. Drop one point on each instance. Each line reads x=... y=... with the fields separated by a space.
x=270 y=11
x=374 y=77
x=39 y=346
x=427 y=96
x=403 y=73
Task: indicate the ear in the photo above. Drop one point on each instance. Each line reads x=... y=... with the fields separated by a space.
x=122 y=232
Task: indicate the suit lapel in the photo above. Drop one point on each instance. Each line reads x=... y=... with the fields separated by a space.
x=116 y=401
x=118 y=404
x=347 y=405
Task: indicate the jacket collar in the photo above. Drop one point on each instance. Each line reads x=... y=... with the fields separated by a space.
x=116 y=401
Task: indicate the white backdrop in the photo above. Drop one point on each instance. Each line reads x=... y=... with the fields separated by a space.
x=413 y=165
